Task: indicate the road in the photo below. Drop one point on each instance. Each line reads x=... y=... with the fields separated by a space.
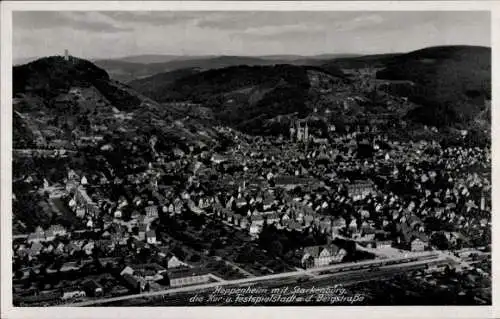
x=426 y=258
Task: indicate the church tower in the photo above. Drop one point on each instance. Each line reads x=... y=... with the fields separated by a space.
x=306 y=133
x=292 y=131
x=299 y=132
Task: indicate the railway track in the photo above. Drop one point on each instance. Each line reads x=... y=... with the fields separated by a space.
x=425 y=258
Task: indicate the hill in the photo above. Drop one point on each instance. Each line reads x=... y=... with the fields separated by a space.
x=58 y=102
x=160 y=81
x=360 y=62
x=243 y=96
x=451 y=83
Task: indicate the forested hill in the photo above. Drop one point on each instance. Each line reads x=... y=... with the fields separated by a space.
x=451 y=83
x=58 y=100
x=241 y=94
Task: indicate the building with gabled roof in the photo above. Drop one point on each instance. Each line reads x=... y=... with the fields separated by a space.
x=152 y=211
x=317 y=256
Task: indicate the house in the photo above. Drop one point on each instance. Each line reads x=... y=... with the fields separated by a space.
x=90 y=223
x=80 y=212
x=360 y=189
x=149 y=272
x=255 y=224
x=338 y=224
x=106 y=235
x=243 y=221
x=151 y=237
x=174 y=262
x=171 y=208
x=353 y=226
x=218 y=159
x=217 y=209
x=57 y=230
x=268 y=203
x=272 y=218
x=325 y=226
x=178 y=152
x=317 y=256
x=49 y=248
x=135 y=284
x=284 y=219
x=49 y=236
x=307 y=220
x=59 y=249
x=37 y=236
x=135 y=214
x=367 y=233
x=142 y=231
x=118 y=214
x=240 y=202
x=72 y=292
x=417 y=245
x=140 y=220
x=257 y=220
x=386 y=243
x=292 y=225
x=35 y=249
x=187 y=276
x=229 y=216
x=92 y=288
x=254 y=229
x=88 y=248
x=127 y=270
x=152 y=212
x=178 y=205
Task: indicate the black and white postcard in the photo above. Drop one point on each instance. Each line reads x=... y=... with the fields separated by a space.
x=241 y=157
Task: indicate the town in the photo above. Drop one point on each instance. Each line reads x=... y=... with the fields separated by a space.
x=262 y=206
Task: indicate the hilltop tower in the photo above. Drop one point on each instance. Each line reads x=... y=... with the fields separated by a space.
x=66 y=55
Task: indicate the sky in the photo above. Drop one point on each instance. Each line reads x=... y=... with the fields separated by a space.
x=112 y=34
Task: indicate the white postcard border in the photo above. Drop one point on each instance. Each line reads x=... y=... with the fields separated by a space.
x=7 y=311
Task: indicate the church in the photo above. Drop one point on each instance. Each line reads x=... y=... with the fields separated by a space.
x=299 y=133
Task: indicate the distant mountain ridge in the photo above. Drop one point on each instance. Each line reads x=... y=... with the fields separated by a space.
x=136 y=67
